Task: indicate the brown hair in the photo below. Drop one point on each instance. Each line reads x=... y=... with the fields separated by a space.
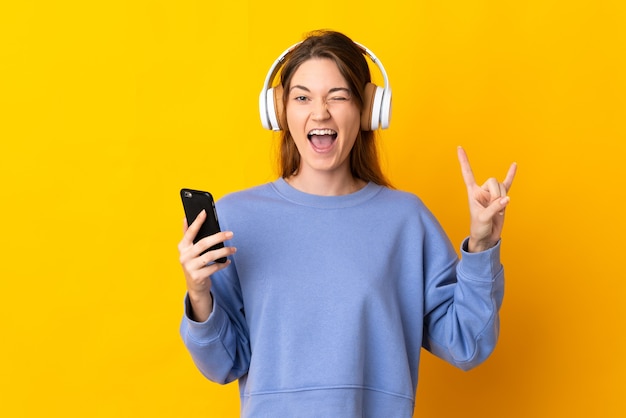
x=348 y=56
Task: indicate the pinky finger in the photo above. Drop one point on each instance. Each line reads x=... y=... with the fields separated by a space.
x=215 y=267
x=510 y=175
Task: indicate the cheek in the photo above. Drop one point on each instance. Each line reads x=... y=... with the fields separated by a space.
x=294 y=118
x=353 y=126
x=295 y=127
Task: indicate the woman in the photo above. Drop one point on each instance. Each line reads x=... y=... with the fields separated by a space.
x=334 y=280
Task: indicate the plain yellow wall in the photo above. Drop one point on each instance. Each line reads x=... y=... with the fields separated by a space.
x=108 y=108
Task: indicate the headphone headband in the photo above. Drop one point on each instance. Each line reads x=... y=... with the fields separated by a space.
x=376 y=107
x=379 y=64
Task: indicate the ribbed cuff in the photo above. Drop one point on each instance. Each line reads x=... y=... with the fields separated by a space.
x=481 y=266
x=207 y=331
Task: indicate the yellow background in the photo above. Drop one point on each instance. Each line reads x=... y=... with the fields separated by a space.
x=108 y=108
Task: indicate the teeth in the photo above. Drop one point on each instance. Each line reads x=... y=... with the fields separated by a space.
x=322 y=132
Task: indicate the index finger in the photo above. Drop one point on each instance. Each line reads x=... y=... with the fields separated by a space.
x=192 y=230
x=466 y=170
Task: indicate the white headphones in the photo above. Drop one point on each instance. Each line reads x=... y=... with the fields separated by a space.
x=376 y=104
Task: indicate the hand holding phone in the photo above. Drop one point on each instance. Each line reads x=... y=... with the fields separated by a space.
x=194 y=201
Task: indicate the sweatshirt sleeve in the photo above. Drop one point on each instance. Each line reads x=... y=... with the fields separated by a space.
x=219 y=346
x=462 y=303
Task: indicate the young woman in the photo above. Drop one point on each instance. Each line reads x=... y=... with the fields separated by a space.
x=334 y=280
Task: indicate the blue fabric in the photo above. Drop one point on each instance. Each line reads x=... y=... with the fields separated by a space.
x=329 y=299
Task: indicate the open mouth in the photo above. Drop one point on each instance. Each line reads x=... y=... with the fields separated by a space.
x=322 y=139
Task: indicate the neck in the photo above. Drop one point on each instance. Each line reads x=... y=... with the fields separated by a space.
x=325 y=184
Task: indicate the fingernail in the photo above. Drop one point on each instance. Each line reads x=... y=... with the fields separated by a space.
x=505 y=200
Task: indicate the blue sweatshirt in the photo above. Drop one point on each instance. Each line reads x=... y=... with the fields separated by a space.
x=329 y=299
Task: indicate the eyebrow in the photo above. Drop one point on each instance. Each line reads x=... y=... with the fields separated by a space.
x=333 y=90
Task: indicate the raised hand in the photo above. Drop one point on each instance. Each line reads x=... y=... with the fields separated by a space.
x=487 y=205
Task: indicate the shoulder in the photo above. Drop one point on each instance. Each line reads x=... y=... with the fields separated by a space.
x=400 y=199
x=246 y=195
x=407 y=207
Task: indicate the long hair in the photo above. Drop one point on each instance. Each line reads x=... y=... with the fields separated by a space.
x=364 y=162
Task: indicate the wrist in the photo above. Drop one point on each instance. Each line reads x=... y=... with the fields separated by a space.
x=477 y=246
x=200 y=306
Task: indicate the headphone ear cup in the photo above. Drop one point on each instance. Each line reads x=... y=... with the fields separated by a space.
x=281 y=122
x=271 y=107
x=372 y=100
x=263 y=109
x=385 y=110
x=271 y=110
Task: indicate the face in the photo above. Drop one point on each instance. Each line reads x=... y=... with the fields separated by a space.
x=323 y=118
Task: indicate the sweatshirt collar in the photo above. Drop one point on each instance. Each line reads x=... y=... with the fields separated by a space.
x=296 y=196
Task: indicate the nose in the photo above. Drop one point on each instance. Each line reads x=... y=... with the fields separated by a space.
x=320 y=111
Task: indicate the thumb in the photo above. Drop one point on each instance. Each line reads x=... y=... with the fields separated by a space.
x=496 y=208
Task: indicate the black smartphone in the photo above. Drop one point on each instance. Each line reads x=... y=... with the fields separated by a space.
x=194 y=201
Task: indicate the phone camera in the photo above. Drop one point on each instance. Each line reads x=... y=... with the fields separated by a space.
x=187 y=194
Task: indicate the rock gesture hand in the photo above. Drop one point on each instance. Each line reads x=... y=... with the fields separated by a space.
x=487 y=205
